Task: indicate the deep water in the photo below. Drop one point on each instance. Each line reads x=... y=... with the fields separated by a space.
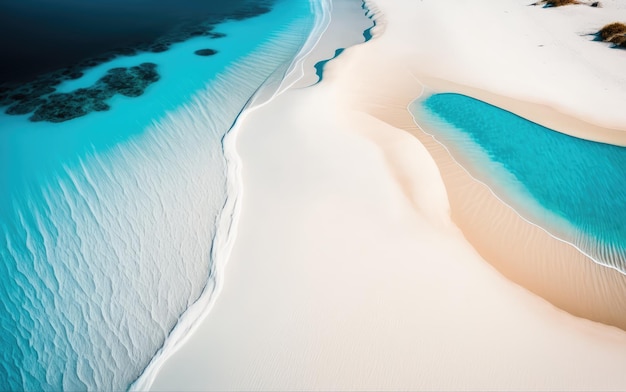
x=41 y=36
x=113 y=176
x=574 y=188
x=48 y=44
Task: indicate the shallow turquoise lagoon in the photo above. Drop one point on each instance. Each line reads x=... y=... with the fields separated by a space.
x=108 y=221
x=574 y=188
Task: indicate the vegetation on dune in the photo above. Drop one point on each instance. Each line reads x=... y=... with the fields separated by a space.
x=556 y=3
x=614 y=33
x=620 y=41
x=559 y=3
x=612 y=29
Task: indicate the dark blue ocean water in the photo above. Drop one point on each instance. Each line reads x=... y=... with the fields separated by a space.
x=574 y=188
x=113 y=172
x=39 y=36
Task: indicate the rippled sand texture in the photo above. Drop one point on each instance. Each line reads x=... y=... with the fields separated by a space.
x=524 y=252
x=113 y=223
x=521 y=251
x=347 y=272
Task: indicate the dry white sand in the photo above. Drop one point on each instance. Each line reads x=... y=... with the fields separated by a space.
x=348 y=272
x=526 y=254
x=527 y=53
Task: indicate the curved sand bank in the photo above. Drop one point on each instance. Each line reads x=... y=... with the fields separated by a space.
x=347 y=272
x=279 y=78
x=523 y=252
x=540 y=63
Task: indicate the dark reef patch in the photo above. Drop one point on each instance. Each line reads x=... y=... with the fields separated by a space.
x=25 y=98
x=158 y=48
x=41 y=37
x=59 y=52
x=216 y=35
x=130 y=82
x=25 y=107
x=205 y=52
x=29 y=85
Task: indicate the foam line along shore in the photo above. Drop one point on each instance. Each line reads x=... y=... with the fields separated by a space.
x=552 y=264
x=348 y=272
x=114 y=185
x=287 y=74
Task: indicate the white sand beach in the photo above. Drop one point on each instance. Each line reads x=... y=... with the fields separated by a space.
x=358 y=262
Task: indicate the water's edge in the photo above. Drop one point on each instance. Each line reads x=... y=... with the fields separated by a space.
x=417 y=102
x=227 y=221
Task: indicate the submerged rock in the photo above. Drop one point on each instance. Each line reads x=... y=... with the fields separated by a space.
x=205 y=52
x=130 y=82
x=25 y=107
x=216 y=35
x=20 y=99
x=158 y=48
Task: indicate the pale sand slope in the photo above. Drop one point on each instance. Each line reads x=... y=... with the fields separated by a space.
x=348 y=22
x=339 y=281
x=528 y=53
x=524 y=253
x=347 y=272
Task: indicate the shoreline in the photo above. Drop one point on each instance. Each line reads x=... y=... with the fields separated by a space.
x=540 y=113
x=570 y=228
x=604 y=285
x=559 y=281
x=348 y=272
x=229 y=216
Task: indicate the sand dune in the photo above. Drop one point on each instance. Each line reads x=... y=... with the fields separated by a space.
x=357 y=264
x=523 y=252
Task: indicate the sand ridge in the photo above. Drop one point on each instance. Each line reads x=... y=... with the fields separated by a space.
x=348 y=272
x=525 y=253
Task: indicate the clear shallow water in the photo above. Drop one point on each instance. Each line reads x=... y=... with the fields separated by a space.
x=574 y=188
x=108 y=221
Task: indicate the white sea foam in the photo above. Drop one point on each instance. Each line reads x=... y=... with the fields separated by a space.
x=112 y=245
x=533 y=212
x=281 y=79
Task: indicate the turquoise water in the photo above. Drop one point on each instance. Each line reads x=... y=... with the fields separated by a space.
x=108 y=221
x=574 y=188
